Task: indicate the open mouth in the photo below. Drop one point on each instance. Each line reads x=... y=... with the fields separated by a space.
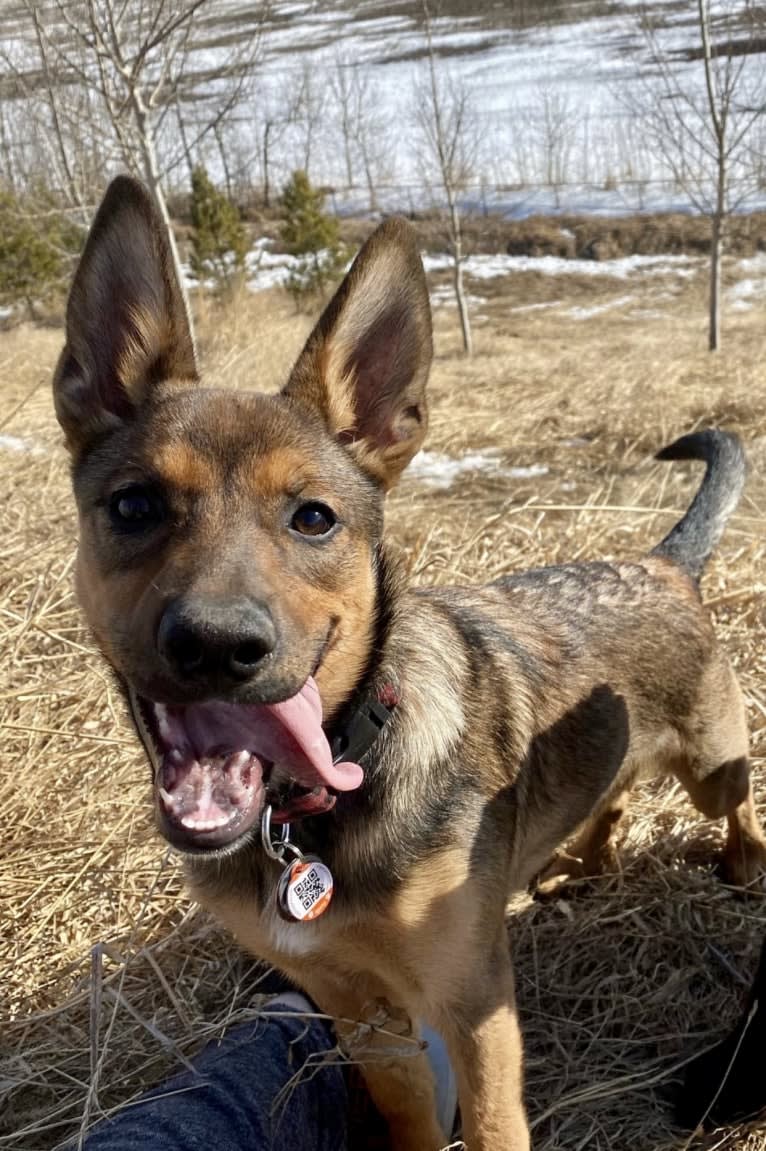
x=214 y=759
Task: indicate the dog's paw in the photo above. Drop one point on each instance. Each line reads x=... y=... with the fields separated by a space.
x=557 y=875
x=743 y=863
x=565 y=869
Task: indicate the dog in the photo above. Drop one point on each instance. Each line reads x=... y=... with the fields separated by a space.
x=358 y=772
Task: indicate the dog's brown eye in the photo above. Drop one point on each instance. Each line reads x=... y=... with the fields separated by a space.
x=135 y=508
x=313 y=520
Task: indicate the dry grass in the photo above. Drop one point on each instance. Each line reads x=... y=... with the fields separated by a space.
x=109 y=977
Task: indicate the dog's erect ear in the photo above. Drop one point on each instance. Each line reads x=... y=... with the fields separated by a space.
x=127 y=326
x=365 y=365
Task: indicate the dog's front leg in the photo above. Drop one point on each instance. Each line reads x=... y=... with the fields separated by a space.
x=484 y=1042
x=373 y=1034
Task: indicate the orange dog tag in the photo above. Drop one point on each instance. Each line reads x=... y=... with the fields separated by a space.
x=305 y=889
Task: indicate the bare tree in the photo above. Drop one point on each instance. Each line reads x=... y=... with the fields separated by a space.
x=555 y=124
x=341 y=86
x=132 y=60
x=51 y=129
x=703 y=121
x=447 y=139
x=307 y=113
x=275 y=110
x=373 y=136
x=363 y=124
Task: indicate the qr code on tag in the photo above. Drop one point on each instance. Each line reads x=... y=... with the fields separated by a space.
x=310 y=888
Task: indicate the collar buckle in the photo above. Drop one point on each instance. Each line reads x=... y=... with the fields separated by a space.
x=356 y=738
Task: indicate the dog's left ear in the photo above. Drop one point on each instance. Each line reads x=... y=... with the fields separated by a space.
x=365 y=365
x=127 y=325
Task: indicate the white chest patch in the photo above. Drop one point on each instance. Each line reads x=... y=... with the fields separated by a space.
x=289 y=938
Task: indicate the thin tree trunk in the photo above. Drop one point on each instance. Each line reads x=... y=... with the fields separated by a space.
x=53 y=99
x=716 y=252
x=718 y=121
x=457 y=255
x=184 y=140
x=714 y=324
x=224 y=161
x=265 y=163
x=371 y=190
x=347 y=151
x=152 y=177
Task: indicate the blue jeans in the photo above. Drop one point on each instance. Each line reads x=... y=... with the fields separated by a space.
x=239 y=1099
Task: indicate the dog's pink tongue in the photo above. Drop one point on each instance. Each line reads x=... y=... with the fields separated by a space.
x=301 y=744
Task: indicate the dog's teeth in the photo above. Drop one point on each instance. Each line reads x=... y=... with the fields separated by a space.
x=204 y=824
x=175 y=755
x=167 y=798
x=165 y=730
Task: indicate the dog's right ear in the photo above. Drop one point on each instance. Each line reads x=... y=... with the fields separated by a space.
x=127 y=325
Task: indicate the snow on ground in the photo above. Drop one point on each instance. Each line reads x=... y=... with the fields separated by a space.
x=267 y=269
x=749 y=291
x=20 y=444
x=507 y=57
x=487 y=267
x=438 y=470
x=264 y=269
x=536 y=307
x=445 y=294
x=598 y=309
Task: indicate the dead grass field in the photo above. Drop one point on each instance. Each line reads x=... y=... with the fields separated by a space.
x=109 y=976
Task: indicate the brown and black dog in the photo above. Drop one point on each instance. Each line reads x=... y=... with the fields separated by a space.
x=232 y=567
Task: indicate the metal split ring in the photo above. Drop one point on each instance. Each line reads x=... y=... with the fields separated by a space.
x=277 y=848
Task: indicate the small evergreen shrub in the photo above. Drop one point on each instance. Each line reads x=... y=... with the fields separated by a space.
x=37 y=245
x=312 y=236
x=219 y=241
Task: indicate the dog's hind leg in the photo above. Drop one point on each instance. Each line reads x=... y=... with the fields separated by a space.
x=726 y=789
x=716 y=773
x=744 y=856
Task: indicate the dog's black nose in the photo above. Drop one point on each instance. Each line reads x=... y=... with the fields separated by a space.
x=226 y=641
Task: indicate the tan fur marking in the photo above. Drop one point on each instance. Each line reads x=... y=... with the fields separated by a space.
x=278 y=471
x=183 y=468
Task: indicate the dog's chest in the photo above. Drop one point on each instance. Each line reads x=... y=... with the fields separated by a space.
x=290 y=939
x=259 y=927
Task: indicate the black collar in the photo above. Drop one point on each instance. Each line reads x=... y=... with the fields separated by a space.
x=359 y=731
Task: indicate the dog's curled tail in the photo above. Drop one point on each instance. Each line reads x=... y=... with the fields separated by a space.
x=691 y=542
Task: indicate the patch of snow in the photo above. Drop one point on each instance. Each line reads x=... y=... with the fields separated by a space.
x=647 y=314
x=743 y=295
x=438 y=470
x=263 y=269
x=487 y=267
x=535 y=307
x=445 y=294
x=21 y=444
x=575 y=442
x=599 y=309
x=527 y=473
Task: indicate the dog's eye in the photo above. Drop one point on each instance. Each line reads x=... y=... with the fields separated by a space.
x=313 y=520
x=135 y=508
